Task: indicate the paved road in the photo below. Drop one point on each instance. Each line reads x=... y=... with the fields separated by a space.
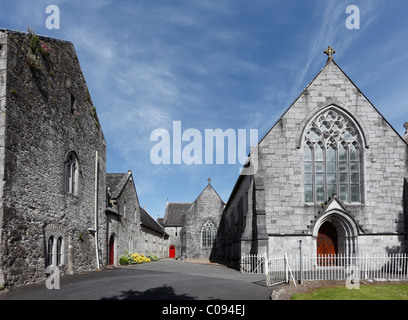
x=159 y=280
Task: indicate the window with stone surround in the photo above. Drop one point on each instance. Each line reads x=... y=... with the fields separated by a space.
x=59 y=251
x=71 y=174
x=55 y=251
x=50 y=251
x=208 y=234
x=332 y=158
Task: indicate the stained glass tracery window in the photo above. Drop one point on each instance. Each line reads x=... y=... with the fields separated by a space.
x=332 y=164
x=208 y=234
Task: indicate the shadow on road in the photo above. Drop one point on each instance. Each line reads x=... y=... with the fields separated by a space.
x=163 y=293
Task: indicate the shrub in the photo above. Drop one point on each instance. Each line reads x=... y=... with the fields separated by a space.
x=35 y=50
x=153 y=258
x=124 y=260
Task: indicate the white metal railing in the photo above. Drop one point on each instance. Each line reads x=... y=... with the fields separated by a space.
x=282 y=268
x=253 y=263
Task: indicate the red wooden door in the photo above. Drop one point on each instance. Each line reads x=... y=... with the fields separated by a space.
x=327 y=243
x=172 y=252
x=112 y=250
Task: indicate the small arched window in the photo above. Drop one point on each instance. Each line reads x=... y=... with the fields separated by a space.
x=59 y=251
x=71 y=174
x=332 y=158
x=50 y=248
x=208 y=234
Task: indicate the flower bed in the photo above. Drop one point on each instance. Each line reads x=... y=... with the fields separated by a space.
x=135 y=258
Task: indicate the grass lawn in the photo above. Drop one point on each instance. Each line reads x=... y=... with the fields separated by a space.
x=366 y=292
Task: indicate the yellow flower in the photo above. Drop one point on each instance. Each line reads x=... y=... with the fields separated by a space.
x=139 y=258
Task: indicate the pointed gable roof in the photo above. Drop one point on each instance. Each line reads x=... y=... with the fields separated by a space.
x=210 y=188
x=334 y=210
x=116 y=182
x=173 y=216
x=334 y=204
x=329 y=61
x=326 y=69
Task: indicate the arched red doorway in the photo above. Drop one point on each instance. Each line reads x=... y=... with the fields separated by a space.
x=172 y=252
x=112 y=250
x=327 y=242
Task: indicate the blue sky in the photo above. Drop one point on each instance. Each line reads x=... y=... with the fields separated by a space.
x=215 y=64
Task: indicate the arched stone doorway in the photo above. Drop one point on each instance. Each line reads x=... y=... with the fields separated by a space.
x=336 y=233
x=111 y=250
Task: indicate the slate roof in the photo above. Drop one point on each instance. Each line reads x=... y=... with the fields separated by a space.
x=174 y=213
x=147 y=221
x=116 y=182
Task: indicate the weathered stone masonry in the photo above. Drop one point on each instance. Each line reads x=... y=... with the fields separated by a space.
x=123 y=214
x=38 y=128
x=207 y=208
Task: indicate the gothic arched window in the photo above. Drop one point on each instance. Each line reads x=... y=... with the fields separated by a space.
x=50 y=249
x=208 y=234
x=59 y=251
x=332 y=159
x=71 y=174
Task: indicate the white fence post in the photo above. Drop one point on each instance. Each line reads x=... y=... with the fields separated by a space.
x=266 y=269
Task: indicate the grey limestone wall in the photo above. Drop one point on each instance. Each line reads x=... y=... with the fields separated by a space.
x=41 y=128
x=236 y=234
x=153 y=243
x=3 y=92
x=208 y=206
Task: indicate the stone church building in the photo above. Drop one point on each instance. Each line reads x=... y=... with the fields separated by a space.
x=129 y=227
x=331 y=172
x=192 y=227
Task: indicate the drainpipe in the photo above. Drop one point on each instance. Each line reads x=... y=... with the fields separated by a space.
x=163 y=247
x=96 y=209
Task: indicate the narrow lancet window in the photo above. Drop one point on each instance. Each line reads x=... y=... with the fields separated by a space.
x=71 y=174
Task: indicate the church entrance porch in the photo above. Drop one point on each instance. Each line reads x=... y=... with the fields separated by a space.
x=335 y=231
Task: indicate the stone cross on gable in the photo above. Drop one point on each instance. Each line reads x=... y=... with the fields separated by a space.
x=329 y=51
x=209 y=180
